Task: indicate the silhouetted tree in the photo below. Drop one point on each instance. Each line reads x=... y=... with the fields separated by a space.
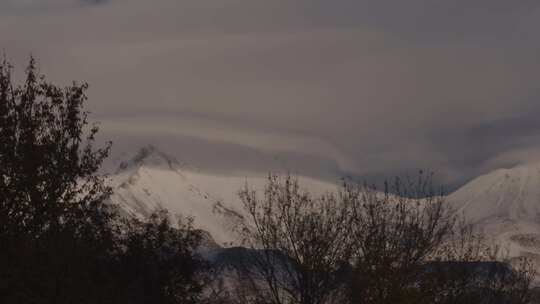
x=415 y=249
x=396 y=230
x=54 y=223
x=158 y=263
x=60 y=239
x=300 y=245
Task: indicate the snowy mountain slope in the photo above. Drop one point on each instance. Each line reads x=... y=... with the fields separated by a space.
x=152 y=179
x=505 y=204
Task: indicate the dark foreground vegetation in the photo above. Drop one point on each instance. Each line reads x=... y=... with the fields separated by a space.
x=62 y=242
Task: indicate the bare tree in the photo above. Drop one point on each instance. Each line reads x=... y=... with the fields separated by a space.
x=469 y=268
x=362 y=245
x=301 y=245
x=397 y=231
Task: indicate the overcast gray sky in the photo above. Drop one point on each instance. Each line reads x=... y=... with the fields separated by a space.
x=366 y=88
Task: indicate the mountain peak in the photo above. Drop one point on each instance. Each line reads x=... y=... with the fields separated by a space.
x=512 y=194
x=505 y=205
x=149 y=155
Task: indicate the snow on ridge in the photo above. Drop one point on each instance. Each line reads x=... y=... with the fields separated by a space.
x=512 y=194
x=505 y=205
x=153 y=180
x=150 y=156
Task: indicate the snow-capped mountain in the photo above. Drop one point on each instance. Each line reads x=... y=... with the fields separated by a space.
x=152 y=180
x=505 y=205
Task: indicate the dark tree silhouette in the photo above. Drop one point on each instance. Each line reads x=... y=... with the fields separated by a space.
x=158 y=264
x=60 y=239
x=304 y=243
x=396 y=230
x=415 y=249
x=48 y=163
x=54 y=223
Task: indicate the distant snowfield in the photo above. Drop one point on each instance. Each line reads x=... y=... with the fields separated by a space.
x=152 y=180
